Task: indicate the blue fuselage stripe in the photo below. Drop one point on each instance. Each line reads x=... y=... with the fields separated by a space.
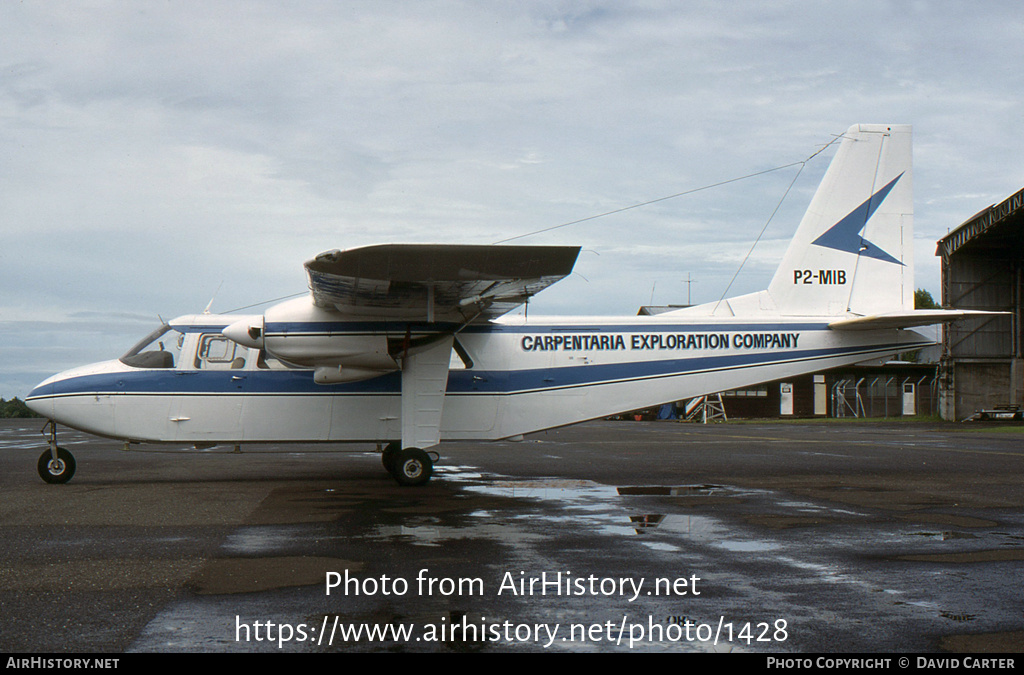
x=460 y=382
x=339 y=328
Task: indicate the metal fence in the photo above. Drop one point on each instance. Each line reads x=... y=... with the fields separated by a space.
x=885 y=396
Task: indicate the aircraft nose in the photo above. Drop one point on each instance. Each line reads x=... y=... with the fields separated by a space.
x=247 y=332
x=40 y=400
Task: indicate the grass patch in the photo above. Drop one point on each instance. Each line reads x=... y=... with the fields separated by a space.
x=994 y=427
x=902 y=419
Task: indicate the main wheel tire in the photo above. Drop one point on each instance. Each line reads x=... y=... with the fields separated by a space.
x=413 y=467
x=56 y=471
x=390 y=457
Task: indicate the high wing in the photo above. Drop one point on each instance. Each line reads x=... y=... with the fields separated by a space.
x=435 y=282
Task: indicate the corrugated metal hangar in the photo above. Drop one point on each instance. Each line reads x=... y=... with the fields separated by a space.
x=982 y=366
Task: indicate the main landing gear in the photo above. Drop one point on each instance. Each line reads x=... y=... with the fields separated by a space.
x=56 y=464
x=408 y=466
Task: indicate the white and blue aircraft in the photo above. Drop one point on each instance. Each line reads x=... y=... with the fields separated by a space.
x=410 y=345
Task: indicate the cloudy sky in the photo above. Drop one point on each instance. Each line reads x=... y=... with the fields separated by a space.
x=159 y=154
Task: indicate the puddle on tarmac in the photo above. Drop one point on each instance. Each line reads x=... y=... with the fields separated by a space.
x=668 y=519
x=944 y=536
x=259 y=540
x=665 y=522
x=608 y=510
x=673 y=491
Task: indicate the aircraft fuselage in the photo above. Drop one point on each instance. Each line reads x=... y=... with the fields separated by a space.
x=506 y=378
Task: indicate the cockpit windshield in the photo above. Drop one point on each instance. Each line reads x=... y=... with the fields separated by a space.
x=155 y=350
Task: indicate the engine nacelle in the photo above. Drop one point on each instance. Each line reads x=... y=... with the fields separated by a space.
x=338 y=348
x=299 y=332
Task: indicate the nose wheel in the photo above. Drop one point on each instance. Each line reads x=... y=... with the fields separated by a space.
x=57 y=469
x=56 y=464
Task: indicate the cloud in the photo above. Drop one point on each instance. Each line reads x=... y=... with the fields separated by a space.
x=155 y=152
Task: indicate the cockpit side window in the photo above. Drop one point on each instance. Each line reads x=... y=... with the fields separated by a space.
x=216 y=352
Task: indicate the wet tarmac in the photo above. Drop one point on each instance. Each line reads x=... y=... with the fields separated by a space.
x=608 y=536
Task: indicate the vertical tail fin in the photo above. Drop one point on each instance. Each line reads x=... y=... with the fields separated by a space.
x=853 y=250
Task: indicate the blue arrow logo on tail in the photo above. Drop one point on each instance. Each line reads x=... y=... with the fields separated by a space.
x=845 y=235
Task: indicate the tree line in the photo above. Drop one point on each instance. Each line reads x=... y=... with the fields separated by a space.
x=14 y=408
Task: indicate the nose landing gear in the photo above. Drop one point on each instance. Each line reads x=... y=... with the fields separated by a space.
x=56 y=464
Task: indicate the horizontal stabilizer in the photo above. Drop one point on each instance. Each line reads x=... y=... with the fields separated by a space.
x=920 y=317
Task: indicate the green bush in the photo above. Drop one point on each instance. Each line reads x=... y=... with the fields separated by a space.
x=15 y=408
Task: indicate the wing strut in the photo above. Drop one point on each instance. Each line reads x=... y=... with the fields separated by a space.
x=424 y=383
